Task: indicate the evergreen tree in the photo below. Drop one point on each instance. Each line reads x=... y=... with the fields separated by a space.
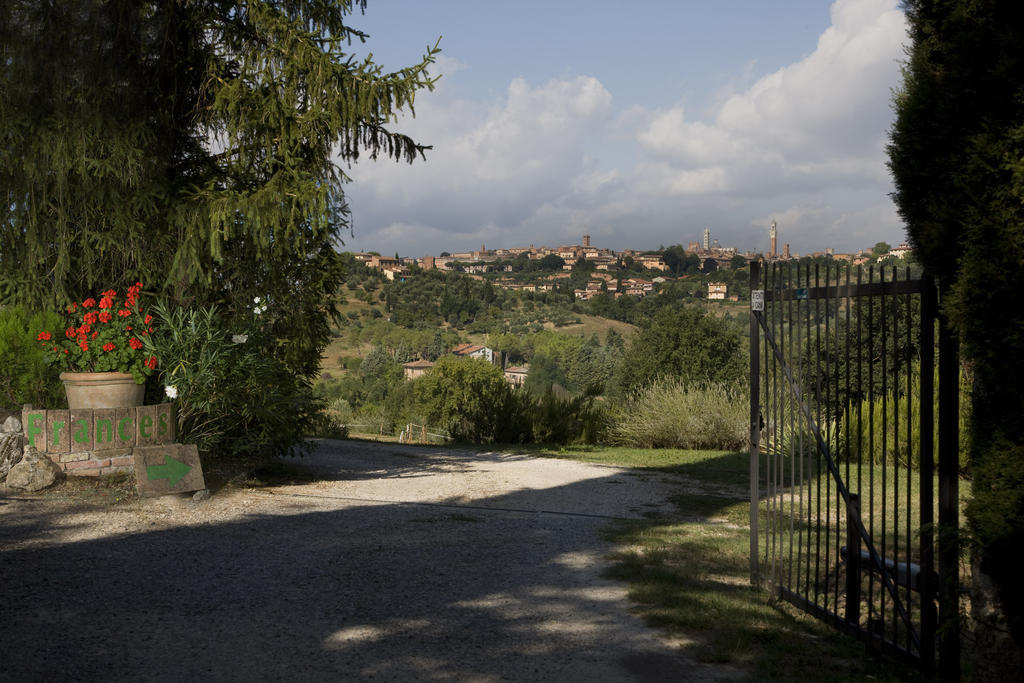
x=957 y=156
x=686 y=343
x=436 y=348
x=193 y=145
x=162 y=134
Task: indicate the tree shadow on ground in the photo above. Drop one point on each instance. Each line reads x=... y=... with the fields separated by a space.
x=319 y=590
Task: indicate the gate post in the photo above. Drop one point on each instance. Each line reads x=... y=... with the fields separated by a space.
x=949 y=502
x=926 y=458
x=755 y=417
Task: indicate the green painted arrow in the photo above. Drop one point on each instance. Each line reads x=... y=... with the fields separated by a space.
x=172 y=470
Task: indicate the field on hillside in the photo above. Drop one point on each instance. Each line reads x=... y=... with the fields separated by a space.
x=356 y=312
x=594 y=325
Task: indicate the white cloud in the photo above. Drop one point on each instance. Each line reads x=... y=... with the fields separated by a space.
x=543 y=163
x=820 y=121
x=492 y=166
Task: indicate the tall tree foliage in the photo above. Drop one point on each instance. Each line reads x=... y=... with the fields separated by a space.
x=957 y=156
x=162 y=133
x=686 y=343
x=195 y=145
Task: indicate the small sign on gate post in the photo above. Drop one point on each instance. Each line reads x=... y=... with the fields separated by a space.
x=757 y=300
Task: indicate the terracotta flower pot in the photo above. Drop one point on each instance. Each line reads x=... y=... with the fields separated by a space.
x=102 y=389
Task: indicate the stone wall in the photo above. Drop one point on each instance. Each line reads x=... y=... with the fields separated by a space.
x=91 y=442
x=10 y=445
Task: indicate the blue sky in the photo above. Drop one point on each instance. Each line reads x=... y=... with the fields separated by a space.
x=639 y=123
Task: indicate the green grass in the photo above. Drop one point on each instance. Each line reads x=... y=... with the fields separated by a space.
x=590 y=325
x=690 y=575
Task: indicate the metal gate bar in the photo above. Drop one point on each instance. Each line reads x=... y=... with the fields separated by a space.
x=833 y=454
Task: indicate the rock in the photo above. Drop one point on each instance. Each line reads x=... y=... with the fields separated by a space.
x=10 y=452
x=201 y=495
x=34 y=473
x=11 y=425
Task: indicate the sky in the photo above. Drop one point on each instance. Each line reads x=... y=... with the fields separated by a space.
x=640 y=124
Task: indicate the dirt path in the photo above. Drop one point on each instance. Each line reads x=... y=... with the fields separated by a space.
x=400 y=564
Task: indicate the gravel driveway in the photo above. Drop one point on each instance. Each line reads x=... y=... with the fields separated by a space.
x=401 y=564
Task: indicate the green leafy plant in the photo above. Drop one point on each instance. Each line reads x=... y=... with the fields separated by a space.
x=464 y=396
x=27 y=373
x=233 y=395
x=669 y=413
x=103 y=336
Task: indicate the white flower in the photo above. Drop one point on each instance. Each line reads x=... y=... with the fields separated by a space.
x=171 y=391
x=239 y=338
x=257 y=301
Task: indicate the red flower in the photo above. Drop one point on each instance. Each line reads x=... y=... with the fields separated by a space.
x=151 y=363
x=84 y=329
x=65 y=352
x=94 y=335
x=89 y=303
x=106 y=302
x=70 y=333
x=43 y=336
x=128 y=328
x=135 y=343
x=124 y=313
x=84 y=345
x=109 y=346
x=110 y=293
x=133 y=293
x=90 y=317
x=72 y=307
x=104 y=317
x=148 y=320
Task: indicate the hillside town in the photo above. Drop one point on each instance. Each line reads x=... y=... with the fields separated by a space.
x=606 y=266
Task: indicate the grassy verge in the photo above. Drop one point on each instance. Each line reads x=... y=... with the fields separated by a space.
x=689 y=574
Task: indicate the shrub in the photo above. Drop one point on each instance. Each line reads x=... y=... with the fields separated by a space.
x=465 y=396
x=554 y=419
x=233 y=395
x=898 y=428
x=686 y=343
x=668 y=413
x=27 y=374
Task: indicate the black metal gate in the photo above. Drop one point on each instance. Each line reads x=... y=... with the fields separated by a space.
x=851 y=445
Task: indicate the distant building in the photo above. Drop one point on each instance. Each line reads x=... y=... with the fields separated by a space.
x=382 y=262
x=516 y=376
x=417 y=368
x=717 y=290
x=399 y=273
x=474 y=351
x=900 y=251
x=652 y=262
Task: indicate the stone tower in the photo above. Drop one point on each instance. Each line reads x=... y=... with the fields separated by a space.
x=772 y=234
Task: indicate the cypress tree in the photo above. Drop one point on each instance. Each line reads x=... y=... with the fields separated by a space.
x=957 y=156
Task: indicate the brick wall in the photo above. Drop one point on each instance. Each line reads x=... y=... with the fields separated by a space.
x=91 y=442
